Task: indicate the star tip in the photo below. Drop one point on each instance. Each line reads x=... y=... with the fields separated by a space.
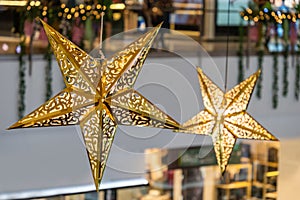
x=258 y=72
x=199 y=70
x=14 y=126
x=158 y=26
x=97 y=188
x=42 y=21
x=223 y=171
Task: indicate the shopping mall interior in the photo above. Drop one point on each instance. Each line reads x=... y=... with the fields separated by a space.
x=149 y=99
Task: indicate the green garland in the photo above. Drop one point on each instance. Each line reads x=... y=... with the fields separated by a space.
x=297 y=77
x=48 y=73
x=22 y=84
x=240 y=54
x=22 y=69
x=285 y=71
x=275 y=81
x=260 y=55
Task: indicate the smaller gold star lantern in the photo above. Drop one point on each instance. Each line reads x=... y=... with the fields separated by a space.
x=225 y=118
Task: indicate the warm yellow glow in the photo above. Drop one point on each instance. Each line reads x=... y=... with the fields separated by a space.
x=45 y=8
x=117 y=6
x=63 y=6
x=72 y=10
x=89 y=7
x=98 y=6
x=117 y=16
x=249 y=10
x=76 y=14
x=13 y=3
x=255 y=19
x=28 y=7
x=246 y=18
x=31 y=3
x=44 y=13
x=60 y=14
x=81 y=6
x=82 y=11
x=84 y=18
x=66 y=10
x=37 y=3
x=69 y=16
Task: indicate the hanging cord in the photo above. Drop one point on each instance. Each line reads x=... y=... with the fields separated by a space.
x=102 y=57
x=227 y=47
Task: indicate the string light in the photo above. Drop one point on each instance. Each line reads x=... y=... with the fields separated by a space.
x=84 y=11
x=268 y=15
x=37 y=3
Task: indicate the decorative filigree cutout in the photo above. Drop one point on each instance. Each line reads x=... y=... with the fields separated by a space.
x=225 y=118
x=98 y=96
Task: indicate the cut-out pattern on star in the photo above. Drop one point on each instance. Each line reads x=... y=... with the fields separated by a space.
x=225 y=118
x=98 y=96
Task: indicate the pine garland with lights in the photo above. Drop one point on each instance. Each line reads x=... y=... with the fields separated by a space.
x=48 y=73
x=22 y=69
x=241 y=54
x=281 y=18
x=22 y=84
x=275 y=81
x=260 y=55
x=285 y=71
x=297 y=77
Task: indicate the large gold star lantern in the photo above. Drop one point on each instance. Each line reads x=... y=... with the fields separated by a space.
x=225 y=118
x=98 y=96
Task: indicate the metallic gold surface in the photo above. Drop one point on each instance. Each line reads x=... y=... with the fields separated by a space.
x=225 y=118
x=98 y=96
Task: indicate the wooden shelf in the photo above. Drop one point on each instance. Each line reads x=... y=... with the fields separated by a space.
x=261 y=185
x=235 y=185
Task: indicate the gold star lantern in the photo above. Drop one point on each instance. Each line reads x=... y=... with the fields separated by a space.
x=98 y=96
x=225 y=118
